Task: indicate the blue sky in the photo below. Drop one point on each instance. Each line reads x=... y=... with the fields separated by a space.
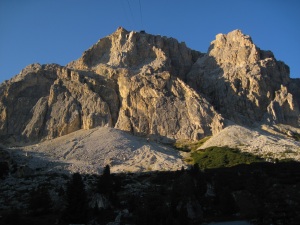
x=58 y=31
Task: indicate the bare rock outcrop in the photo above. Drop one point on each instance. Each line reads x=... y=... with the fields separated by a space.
x=50 y=101
x=129 y=80
x=283 y=109
x=294 y=89
x=241 y=81
x=20 y=95
x=150 y=71
x=160 y=104
x=152 y=86
x=138 y=52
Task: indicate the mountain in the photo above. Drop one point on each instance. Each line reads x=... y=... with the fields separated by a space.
x=123 y=103
x=246 y=84
x=129 y=80
x=155 y=87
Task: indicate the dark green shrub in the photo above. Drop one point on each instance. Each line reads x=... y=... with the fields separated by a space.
x=105 y=184
x=40 y=201
x=216 y=157
x=76 y=199
x=4 y=169
x=188 y=146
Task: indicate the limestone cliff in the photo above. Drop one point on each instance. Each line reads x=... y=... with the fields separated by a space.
x=243 y=82
x=137 y=52
x=159 y=104
x=128 y=80
x=151 y=86
x=50 y=101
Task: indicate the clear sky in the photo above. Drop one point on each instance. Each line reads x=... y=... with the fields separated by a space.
x=58 y=31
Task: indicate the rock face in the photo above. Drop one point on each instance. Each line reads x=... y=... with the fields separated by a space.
x=151 y=86
x=243 y=82
x=139 y=53
x=50 y=101
x=164 y=105
x=128 y=80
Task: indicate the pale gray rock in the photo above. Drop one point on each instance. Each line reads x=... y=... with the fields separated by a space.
x=241 y=81
x=283 y=109
x=129 y=80
x=294 y=89
x=20 y=95
x=159 y=105
x=139 y=52
x=50 y=101
x=34 y=127
x=151 y=86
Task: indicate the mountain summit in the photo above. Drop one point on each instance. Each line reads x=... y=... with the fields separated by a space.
x=151 y=86
x=246 y=84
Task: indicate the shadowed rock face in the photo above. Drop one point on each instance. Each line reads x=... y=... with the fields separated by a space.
x=151 y=86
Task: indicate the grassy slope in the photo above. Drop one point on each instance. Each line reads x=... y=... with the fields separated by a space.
x=188 y=146
x=216 y=157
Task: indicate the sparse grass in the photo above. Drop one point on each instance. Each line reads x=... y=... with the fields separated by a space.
x=190 y=146
x=189 y=160
x=287 y=160
x=296 y=137
x=217 y=157
x=289 y=151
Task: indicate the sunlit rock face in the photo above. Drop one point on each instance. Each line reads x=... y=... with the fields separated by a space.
x=50 y=101
x=151 y=86
x=128 y=80
x=243 y=82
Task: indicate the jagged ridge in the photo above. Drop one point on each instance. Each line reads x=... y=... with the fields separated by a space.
x=151 y=86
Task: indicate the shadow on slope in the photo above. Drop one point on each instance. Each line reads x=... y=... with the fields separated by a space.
x=32 y=162
x=262 y=193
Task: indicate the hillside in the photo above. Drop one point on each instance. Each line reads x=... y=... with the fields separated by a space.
x=266 y=142
x=89 y=151
x=142 y=129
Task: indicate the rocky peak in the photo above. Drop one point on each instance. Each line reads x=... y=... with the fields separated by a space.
x=238 y=78
x=237 y=50
x=133 y=81
x=234 y=48
x=152 y=86
x=138 y=52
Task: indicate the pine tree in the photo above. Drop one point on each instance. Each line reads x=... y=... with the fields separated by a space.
x=76 y=198
x=106 y=171
x=40 y=201
x=105 y=185
x=4 y=169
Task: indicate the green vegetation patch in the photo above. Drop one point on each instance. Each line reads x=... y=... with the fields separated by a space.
x=297 y=137
x=216 y=157
x=188 y=146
